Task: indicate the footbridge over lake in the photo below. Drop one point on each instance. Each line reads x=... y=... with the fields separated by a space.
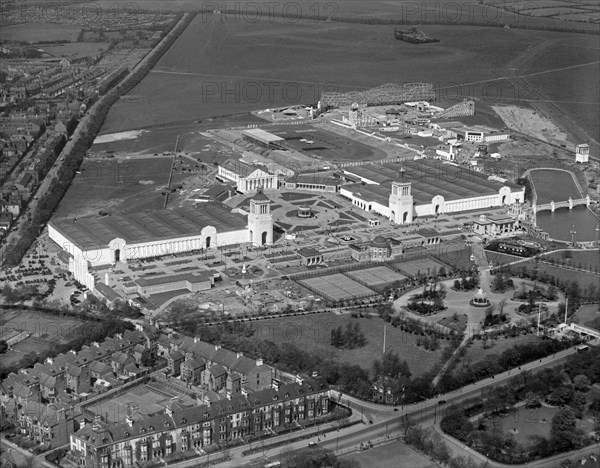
x=570 y=203
x=582 y=330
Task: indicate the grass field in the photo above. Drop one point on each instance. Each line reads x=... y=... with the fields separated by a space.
x=392 y=455
x=219 y=68
x=414 y=267
x=75 y=49
x=376 y=276
x=45 y=331
x=337 y=287
x=526 y=423
x=583 y=279
x=123 y=185
x=587 y=313
x=587 y=258
x=32 y=32
x=313 y=332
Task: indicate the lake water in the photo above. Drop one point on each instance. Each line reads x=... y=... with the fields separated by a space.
x=559 y=224
x=554 y=185
x=558 y=186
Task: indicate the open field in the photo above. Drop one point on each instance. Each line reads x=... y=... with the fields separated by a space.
x=325 y=145
x=376 y=276
x=45 y=331
x=313 y=332
x=124 y=185
x=526 y=423
x=337 y=287
x=75 y=49
x=146 y=399
x=392 y=455
x=590 y=259
x=587 y=314
x=428 y=11
x=33 y=32
x=582 y=278
x=219 y=68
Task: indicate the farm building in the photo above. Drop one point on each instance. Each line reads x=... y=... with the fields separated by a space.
x=424 y=188
x=108 y=240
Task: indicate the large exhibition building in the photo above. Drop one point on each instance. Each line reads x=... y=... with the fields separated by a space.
x=107 y=240
x=402 y=192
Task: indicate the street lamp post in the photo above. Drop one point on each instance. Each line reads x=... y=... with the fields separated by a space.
x=573 y=232
x=597 y=230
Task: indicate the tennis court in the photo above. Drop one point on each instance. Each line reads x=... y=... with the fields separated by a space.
x=376 y=276
x=337 y=287
x=146 y=399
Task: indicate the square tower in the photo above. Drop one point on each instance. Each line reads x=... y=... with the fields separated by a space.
x=260 y=219
x=582 y=153
x=401 y=203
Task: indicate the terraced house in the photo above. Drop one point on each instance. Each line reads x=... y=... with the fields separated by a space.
x=181 y=429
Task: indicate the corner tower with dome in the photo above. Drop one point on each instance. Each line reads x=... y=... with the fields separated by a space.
x=260 y=219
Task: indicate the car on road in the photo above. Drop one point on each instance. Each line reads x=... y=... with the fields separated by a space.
x=312 y=444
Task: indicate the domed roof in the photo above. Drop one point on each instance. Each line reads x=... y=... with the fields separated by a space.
x=380 y=242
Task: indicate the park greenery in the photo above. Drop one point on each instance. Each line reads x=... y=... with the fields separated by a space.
x=349 y=337
x=430 y=301
x=494 y=364
x=567 y=387
x=466 y=283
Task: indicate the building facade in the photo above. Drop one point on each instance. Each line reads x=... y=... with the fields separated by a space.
x=123 y=445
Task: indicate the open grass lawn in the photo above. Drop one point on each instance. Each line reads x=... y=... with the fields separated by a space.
x=415 y=267
x=590 y=259
x=159 y=140
x=32 y=32
x=587 y=313
x=45 y=331
x=75 y=49
x=526 y=423
x=582 y=278
x=392 y=455
x=113 y=184
x=313 y=332
x=456 y=255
